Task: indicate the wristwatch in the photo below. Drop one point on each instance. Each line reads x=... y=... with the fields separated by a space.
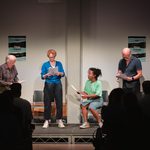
x=132 y=78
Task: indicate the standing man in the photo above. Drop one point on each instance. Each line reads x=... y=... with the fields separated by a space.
x=8 y=73
x=130 y=70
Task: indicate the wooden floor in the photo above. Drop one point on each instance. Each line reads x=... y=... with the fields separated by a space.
x=63 y=147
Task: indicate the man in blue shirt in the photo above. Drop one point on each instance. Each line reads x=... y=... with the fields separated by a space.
x=130 y=70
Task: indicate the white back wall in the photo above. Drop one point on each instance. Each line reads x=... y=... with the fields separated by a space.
x=106 y=27
x=85 y=33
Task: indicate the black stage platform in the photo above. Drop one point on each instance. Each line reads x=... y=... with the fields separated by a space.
x=71 y=134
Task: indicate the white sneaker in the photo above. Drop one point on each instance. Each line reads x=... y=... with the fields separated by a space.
x=85 y=125
x=46 y=124
x=60 y=124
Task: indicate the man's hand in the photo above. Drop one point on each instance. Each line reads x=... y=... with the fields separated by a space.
x=128 y=78
x=9 y=83
x=118 y=75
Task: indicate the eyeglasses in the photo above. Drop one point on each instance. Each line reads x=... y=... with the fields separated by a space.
x=51 y=57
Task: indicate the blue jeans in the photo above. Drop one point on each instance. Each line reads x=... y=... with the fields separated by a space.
x=52 y=91
x=94 y=104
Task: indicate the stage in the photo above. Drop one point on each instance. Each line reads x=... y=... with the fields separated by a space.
x=71 y=134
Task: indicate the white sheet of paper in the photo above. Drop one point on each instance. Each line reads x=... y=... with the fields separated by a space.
x=74 y=88
x=122 y=76
x=53 y=71
x=83 y=100
x=21 y=81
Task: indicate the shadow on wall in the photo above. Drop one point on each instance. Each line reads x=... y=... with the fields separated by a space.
x=105 y=85
x=64 y=83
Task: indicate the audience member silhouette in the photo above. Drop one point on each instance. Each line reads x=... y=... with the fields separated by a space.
x=124 y=125
x=145 y=102
x=145 y=106
x=133 y=129
x=146 y=98
x=11 y=123
x=25 y=108
x=146 y=87
x=112 y=114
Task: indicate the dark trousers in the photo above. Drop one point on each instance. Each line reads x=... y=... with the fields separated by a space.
x=132 y=86
x=52 y=91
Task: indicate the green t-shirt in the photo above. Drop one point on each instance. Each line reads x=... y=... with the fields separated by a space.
x=93 y=87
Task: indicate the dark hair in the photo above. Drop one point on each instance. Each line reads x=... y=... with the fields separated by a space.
x=16 y=89
x=130 y=103
x=115 y=96
x=146 y=86
x=97 y=72
x=6 y=101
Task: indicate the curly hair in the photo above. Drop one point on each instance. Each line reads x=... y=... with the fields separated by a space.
x=51 y=51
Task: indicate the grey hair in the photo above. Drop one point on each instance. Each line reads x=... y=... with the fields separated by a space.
x=10 y=57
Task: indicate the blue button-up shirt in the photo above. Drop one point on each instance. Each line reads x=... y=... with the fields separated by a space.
x=54 y=78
